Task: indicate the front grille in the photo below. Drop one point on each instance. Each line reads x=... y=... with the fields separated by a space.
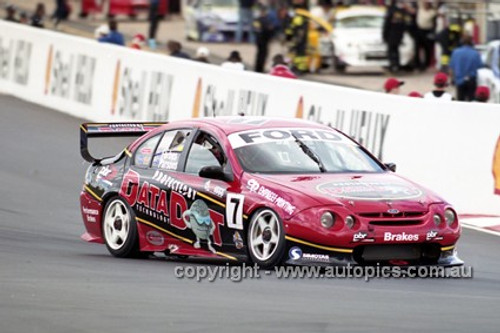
x=415 y=253
x=395 y=216
x=392 y=223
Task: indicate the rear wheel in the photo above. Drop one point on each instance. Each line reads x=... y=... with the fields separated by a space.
x=266 y=238
x=120 y=229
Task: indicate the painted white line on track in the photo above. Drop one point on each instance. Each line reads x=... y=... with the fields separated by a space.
x=474 y=227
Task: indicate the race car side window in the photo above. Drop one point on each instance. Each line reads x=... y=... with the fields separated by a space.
x=169 y=150
x=144 y=153
x=205 y=151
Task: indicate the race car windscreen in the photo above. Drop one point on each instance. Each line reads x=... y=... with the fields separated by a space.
x=360 y=22
x=275 y=151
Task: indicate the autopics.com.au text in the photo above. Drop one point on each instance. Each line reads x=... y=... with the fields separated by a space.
x=241 y=272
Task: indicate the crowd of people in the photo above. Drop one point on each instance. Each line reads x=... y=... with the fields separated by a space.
x=439 y=90
x=38 y=18
x=426 y=21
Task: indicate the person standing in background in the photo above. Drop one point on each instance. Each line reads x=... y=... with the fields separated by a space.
x=39 y=16
x=464 y=63
x=11 y=14
x=441 y=24
x=62 y=12
x=392 y=32
x=175 y=50
x=439 y=92
x=482 y=94
x=280 y=68
x=392 y=86
x=264 y=31
x=114 y=36
x=202 y=54
x=426 y=17
x=154 y=21
x=234 y=61
x=245 y=18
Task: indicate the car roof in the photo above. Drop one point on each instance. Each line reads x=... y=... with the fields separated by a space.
x=235 y=124
x=359 y=11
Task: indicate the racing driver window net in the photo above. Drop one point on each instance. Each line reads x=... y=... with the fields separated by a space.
x=288 y=157
x=169 y=150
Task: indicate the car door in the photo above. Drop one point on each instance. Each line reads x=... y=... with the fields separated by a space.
x=215 y=217
x=151 y=178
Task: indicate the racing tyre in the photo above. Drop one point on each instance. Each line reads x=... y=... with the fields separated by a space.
x=120 y=229
x=266 y=238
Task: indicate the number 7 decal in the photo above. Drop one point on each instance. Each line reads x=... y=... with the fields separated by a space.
x=234 y=210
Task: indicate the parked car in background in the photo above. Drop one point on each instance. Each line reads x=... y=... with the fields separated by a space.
x=211 y=20
x=490 y=75
x=119 y=7
x=356 y=40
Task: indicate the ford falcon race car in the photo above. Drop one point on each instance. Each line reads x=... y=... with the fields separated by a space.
x=264 y=190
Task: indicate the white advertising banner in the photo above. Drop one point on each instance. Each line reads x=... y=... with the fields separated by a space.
x=450 y=147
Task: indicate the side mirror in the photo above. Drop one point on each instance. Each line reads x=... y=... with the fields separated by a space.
x=213 y=172
x=391 y=166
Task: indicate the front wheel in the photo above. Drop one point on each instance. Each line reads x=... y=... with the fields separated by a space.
x=120 y=229
x=266 y=238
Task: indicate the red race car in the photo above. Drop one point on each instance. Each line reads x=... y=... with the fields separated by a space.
x=259 y=189
x=120 y=7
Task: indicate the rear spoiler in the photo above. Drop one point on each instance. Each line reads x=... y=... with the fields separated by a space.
x=100 y=130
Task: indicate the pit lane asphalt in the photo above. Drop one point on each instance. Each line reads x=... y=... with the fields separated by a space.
x=51 y=281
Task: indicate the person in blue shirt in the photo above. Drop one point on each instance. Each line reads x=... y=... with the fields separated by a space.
x=464 y=63
x=114 y=37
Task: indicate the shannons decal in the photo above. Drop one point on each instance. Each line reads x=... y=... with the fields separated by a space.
x=251 y=137
x=369 y=190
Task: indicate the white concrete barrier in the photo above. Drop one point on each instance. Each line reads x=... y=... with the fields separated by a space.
x=446 y=146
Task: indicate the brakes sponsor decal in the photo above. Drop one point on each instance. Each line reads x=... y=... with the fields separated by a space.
x=296 y=253
x=369 y=190
x=400 y=237
x=271 y=196
x=251 y=137
x=154 y=237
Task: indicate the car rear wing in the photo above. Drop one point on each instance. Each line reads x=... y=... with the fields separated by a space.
x=101 y=130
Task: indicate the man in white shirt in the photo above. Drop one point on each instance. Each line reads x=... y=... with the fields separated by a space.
x=426 y=16
x=440 y=84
